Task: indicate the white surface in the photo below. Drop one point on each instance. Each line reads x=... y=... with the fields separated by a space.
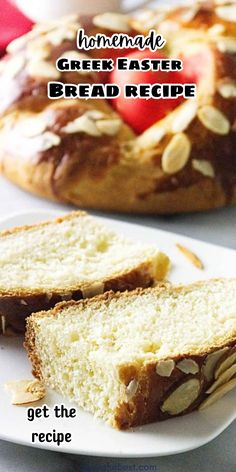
x=219 y=455
x=90 y=436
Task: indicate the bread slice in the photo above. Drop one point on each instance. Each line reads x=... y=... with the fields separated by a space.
x=140 y=356
x=72 y=257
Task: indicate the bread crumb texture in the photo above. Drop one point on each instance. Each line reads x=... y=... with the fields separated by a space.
x=74 y=251
x=92 y=350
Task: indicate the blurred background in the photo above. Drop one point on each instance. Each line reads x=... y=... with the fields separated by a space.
x=17 y=17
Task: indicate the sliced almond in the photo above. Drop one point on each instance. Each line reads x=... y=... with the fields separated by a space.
x=184 y=117
x=38 y=49
x=77 y=56
x=169 y=27
x=214 y=120
x=93 y=290
x=223 y=378
x=193 y=258
x=48 y=296
x=66 y=296
x=14 y=66
x=131 y=389
x=42 y=69
x=112 y=22
x=26 y=391
x=204 y=167
x=95 y=115
x=46 y=141
x=164 y=368
x=176 y=154
x=109 y=127
x=188 y=14
x=225 y=364
x=23 y=302
x=31 y=127
x=181 y=398
x=210 y=362
x=226 y=45
x=17 y=44
x=217 y=394
x=188 y=366
x=83 y=124
x=227 y=13
x=50 y=25
x=216 y=30
x=227 y=89
x=59 y=35
x=37 y=144
x=151 y=138
x=146 y=20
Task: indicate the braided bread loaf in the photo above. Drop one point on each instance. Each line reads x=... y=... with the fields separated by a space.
x=184 y=162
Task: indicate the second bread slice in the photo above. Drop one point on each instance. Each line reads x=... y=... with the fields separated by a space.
x=141 y=356
x=72 y=257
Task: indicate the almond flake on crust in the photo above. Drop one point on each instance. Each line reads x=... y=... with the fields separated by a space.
x=188 y=366
x=95 y=115
x=46 y=141
x=226 y=45
x=189 y=14
x=147 y=20
x=211 y=361
x=151 y=137
x=83 y=124
x=72 y=18
x=184 y=116
x=169 y=27
x=76 y=56
x=214 y=120
x=58 y=36
x=109 y=127
x=131 y=389
x=38 y=49
x=17 y=44
x=42 y=69
x=225 y=364
x=30 y=127
x=216 y=30
x=112 y=22
x=226 y=13
x=93 y=290
x=164 y=368
x=204 y=167
x=223 y=378
x=227 y=88
x=182 y=397
x=218 y=393
x=176 y=154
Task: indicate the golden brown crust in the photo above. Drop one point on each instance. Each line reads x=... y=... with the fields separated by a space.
x=16 y=305
x=152 y=389
x=145 y=406
x=113 y=172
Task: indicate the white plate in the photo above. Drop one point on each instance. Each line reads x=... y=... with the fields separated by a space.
x=93 y=437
